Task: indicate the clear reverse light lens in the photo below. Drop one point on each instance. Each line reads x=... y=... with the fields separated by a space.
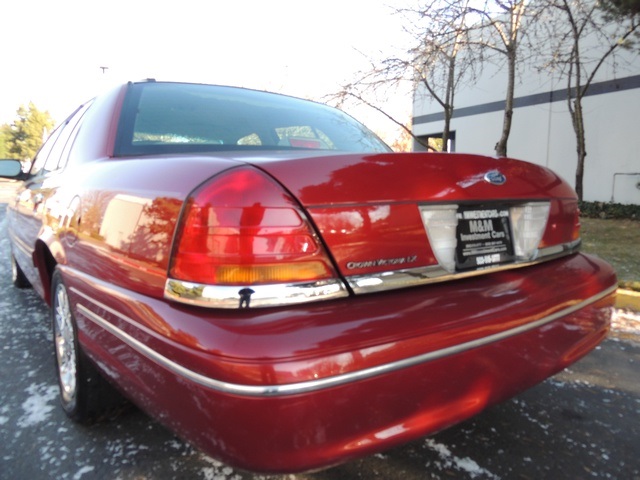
x=528 y=223
x=441 y=222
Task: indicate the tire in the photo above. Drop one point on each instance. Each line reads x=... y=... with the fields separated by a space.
x=85 y=395
x=17 y=275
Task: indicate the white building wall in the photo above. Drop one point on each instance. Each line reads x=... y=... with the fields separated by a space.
x=543 y=134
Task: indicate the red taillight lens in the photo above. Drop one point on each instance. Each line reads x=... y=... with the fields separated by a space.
x=243 y=228
x=575 y=233
x=563 y=227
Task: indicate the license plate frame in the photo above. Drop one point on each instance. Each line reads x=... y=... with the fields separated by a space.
x=484 y=237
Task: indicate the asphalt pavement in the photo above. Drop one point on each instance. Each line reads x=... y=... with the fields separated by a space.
x=583 y=423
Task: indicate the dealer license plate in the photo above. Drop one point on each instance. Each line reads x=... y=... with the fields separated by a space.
x=484 y=237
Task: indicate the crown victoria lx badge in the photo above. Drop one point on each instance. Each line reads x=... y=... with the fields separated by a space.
x=494 y=177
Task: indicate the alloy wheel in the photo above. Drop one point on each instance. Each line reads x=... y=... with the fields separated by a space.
x=64 y=337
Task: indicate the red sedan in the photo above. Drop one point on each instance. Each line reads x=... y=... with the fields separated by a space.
x=263 y=276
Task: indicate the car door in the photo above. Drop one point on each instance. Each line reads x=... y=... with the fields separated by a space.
x=28 y=216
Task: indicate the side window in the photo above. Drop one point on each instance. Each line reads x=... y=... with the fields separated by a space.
x=45 y=149
x=74 y=128
x=54 y=153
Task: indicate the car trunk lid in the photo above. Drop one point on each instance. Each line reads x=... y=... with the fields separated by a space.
x=372 y=211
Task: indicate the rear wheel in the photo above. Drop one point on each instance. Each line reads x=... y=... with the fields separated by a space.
x=85 y=395
x=17 y=275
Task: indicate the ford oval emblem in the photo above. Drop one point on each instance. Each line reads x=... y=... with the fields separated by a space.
x=494 y=177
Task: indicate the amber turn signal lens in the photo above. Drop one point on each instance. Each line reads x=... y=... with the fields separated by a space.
x=275 y=273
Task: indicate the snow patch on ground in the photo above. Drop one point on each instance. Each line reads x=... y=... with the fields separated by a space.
x=449 y=460
x=534 y=419
x=625 y=321
x=38 y=406
x=217 y=471
x=83 y=471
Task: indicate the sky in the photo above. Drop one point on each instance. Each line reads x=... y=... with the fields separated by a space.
x=53 y=50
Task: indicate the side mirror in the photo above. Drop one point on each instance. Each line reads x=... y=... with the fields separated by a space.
x=10 y=168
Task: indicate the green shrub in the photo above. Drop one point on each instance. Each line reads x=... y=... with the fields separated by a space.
x=609 y=210
x=629 y=285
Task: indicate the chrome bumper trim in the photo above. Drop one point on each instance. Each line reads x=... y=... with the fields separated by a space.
x=234 y=297
x=245 y=296
x=319 y=384
x=413 y=277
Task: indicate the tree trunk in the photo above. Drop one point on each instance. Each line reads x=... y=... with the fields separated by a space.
x=501 y=146
x=448 y=106
x=446 y=133
x=577 y=118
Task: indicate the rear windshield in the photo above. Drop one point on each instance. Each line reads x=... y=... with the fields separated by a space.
x=180 y=118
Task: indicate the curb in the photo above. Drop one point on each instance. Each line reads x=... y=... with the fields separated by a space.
x=628 y=299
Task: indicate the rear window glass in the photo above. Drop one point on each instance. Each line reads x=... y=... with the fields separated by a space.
x=182 y=118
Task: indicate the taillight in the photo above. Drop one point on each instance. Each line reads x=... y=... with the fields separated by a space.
x=528 y=223
x=242 y=230
x=441 y=222
x=563 y=227
x=575 y=232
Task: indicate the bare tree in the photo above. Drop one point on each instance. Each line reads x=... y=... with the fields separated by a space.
x=586 y=37
x=443 y=59
x=500 y=30
x=438 y=63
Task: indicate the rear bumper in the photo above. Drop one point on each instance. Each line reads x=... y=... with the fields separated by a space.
x=304 y=388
